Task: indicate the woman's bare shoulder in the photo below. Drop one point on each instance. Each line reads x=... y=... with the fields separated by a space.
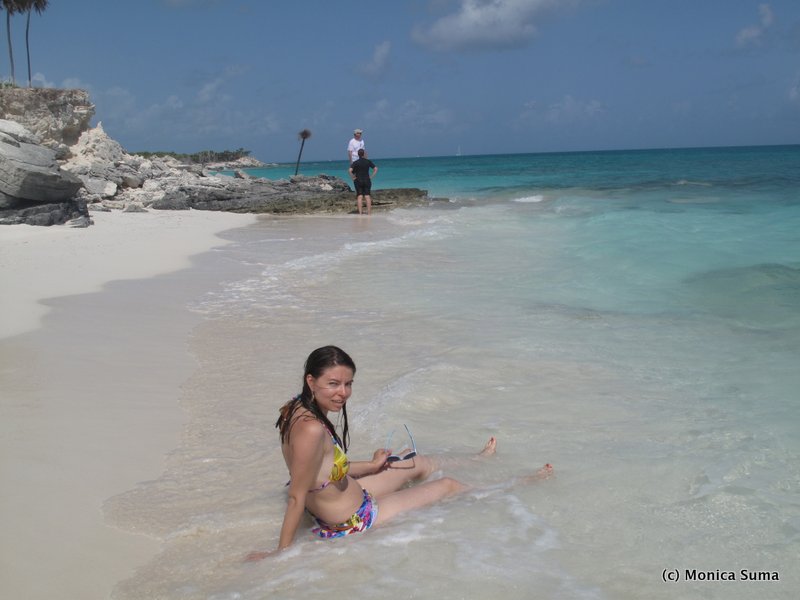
x=306 y=427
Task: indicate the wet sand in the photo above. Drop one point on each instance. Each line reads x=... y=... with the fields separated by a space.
x=93 y=351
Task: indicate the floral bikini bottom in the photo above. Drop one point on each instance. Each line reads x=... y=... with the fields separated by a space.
x=362 y=520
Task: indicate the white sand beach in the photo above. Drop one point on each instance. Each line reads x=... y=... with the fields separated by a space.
x=37 y=263
x=90 y=385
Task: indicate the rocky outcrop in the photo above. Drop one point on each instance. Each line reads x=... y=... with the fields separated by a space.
x=116 y=179
x=96 y=172
x=103 y=166
x=297 y=195
x=245 y=162
x=73 y=213
x=33 y=189
x=56 y=117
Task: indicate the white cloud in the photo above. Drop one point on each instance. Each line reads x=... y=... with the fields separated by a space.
x=424 y=116
x=215 y=90
x=39 y=80
x=530 y=112
x=566 y=111
x=379 y=62
x=752 y=34
x=210 y=109
x=410 y=115
x=379 y=112
x=190 y=120
x=486 y=24
x=73 y=83
x=569 y=110
x=766 y=15
x=209 y=92
x=794 y=91
x=174 y=103
x=118 y=103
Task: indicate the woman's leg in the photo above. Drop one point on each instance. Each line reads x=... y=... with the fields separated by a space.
x=398 y=475
x=418 y=496
x=401 y=473
x=390 y=505
x=386 y=486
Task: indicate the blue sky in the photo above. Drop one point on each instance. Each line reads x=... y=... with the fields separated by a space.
x=425 y=77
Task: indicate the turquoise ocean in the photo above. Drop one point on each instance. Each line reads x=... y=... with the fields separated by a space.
x=631 y=317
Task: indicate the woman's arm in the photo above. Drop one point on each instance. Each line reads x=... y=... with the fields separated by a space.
x=359 y=468
x=307 y=450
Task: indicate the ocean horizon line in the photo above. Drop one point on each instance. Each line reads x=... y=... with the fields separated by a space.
x=292 y=162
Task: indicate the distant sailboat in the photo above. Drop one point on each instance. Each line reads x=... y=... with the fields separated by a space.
x=458 y=152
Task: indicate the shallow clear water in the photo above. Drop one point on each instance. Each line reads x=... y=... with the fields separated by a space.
x=632 y=318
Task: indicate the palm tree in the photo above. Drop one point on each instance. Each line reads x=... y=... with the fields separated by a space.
x=11 y=7
x=303 y=135
x=39 y=6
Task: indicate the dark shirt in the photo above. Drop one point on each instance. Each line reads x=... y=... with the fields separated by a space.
x=361 y=169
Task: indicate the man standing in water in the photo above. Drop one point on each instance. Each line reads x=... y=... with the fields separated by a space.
x=359 y=172
x=354 y=146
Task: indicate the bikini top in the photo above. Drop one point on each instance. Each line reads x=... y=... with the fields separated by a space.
x=341 y=465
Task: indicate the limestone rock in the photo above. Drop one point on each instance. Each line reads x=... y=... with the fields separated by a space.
x=29 y=171
x=56 y=116
x=245 y=162
x=96 y=158
x=99 y=187
x=134 y=207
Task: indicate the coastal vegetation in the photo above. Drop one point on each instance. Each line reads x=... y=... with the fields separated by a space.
x=202 y=157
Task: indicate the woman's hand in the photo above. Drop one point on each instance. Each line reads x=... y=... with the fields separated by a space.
x=259 y=555
x=379 y=459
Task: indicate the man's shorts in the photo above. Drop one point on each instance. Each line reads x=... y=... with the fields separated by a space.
x=363 y=188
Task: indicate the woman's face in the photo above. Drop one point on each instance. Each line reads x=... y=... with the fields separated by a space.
x=332 y=388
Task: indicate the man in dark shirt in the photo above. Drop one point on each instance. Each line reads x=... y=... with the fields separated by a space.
x=359 y=171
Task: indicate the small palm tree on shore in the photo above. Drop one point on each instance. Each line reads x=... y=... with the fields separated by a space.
x=303 y=135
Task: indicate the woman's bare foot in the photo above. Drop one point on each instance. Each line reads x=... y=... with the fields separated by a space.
x=490 y=447
x=544 y=473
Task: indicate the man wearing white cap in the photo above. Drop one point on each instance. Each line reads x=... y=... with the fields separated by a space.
x=354 y=146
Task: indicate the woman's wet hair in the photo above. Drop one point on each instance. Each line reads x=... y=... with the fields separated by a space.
x=319 y=361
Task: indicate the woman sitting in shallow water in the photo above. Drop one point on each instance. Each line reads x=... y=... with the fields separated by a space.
x=343 y=496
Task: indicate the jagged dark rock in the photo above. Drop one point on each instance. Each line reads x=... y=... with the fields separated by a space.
x=55 y=213
x=312 y=195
